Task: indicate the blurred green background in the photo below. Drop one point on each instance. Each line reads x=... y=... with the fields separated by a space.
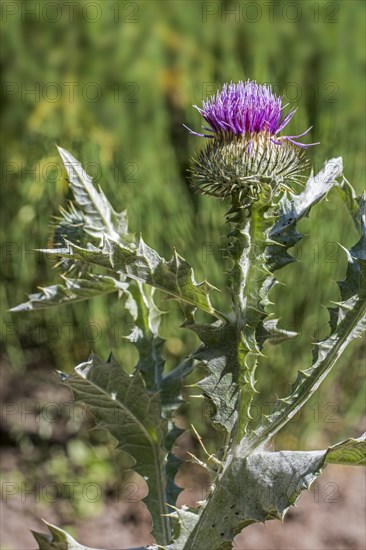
x=113 y=82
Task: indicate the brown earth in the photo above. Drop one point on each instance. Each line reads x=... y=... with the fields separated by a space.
x=329 y=517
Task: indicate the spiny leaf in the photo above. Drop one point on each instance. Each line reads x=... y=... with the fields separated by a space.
x=172 y=465
x=222 y=359
x=347 y=321
x=352 y=451
x=185 y=521
x=60 y=540
x=261 y=486
x=57 y=540
x=140 y=262
x=74 y=290
x=122 y=405
x=291 y=209
x=145 y=336
x=100 y=218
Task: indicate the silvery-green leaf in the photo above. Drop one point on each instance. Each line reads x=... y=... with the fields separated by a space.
x=294 y=207
x=73 y=290
x=100 y=218
x=349 y=452
x=122 y=405
x=145 y=336
x=223 y=358
x=140 y=262
x=347 y=322
x=262 y=486
x=58 y=539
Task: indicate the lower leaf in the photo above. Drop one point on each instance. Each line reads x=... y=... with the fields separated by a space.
x=60 y=540
x=262 y=486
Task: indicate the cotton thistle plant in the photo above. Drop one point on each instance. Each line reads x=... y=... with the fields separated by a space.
x=251 y=164
x=246 y=154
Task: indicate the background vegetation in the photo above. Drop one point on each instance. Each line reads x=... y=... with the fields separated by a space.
x=113 y=82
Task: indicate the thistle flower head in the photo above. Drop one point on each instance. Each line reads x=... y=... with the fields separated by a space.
x=245 y=151
x=246 y=108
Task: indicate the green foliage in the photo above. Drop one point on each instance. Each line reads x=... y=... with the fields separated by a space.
x=137 y=408
x=74 y=290
x=121 y=404
x=57 y=540
x=169 y=59
x=347 y=321
x=99 y=218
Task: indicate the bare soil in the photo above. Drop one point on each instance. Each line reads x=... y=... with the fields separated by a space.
x=329 y=517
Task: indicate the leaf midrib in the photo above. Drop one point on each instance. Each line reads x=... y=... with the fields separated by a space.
x=88 y=188
x=120 y=405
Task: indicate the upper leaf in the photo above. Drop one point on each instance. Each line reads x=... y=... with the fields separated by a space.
x=293 y=208
x=259 y=244
x=74 y=290
x=100 y=218
x=347 y=321
x=142 y=263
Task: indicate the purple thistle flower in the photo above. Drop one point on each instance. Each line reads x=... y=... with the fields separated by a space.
x=247 y=108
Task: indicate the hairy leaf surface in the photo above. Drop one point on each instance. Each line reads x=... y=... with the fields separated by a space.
x=232 y=347
x=73 y=290
x=58 y=539
x=259 y=487
x=142 y=263
x=347 y=322
x=99 y=216
x=122 y=405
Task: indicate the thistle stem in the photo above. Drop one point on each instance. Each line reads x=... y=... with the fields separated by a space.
x=247 y=276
